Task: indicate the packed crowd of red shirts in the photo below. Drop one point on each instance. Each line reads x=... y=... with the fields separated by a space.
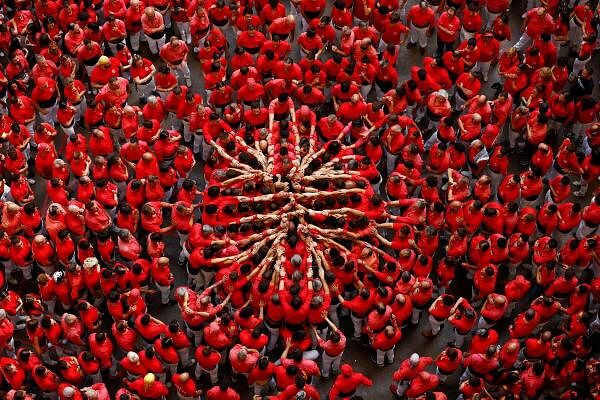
x=337 y=200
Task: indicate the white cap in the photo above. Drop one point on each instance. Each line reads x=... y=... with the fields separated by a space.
x=90 y=262
x=2 y=313
x=414 y=359
x=68 y=391
x=133 y=357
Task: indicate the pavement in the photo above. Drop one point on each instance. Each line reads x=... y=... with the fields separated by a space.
x=357 y=355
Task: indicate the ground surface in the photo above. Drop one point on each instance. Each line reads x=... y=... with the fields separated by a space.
x=356 y=354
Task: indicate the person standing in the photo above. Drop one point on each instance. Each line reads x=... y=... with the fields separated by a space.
x=421 y=21
x=154 y=29
x=175 y=54
x=448 y=27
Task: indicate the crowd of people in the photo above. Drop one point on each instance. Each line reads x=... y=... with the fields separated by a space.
x=313 y=194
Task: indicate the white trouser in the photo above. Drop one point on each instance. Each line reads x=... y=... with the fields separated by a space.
x=418 y=35
x=207 y=277
x=416 y=314
x=465 y=35
x=459 y=338
x=165 y=293
x=484 y=68
x=524 y=41
x=583 y=230
x=385 y=355
x=197 y=335
x=81 y=107
x=390 y=160
x=575 y=33
x=155 y=44
x=184 y=356
x=504 y=46
x=134 y=40
x=333 y=315
x=213 y=373
x=146 y=89
x=184 y=70
x=113 y=46
x=365 y=90
x=187 y=134
x=402 y=387
x=49 y=114
x=578 y=66
x=436 y=325
x=167 y=19
x=182 y=238
x=68 y=131
x=184 y=31
x=357 y=323
x=330 y=363
x=513 y=136
x=273 y=337
x=184 y=255
x=310 y=355
x=483 y=324
x=198 y=142
x=491 y=17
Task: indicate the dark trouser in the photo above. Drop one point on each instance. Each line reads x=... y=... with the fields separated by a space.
x=443 y=47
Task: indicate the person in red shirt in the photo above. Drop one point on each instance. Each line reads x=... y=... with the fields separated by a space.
x=153 y=26
x=384 y=342
x=537 y=21
x=174 y=53
x=347 y=383
x=148 y=387
x=207 y=361
x=439 y=311
x=448 y=362
x=448 y=26
x=222 y=392
x=421 y=20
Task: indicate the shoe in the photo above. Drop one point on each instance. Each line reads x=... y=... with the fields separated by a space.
x=578 y=194
x=394 y=390
x=410 y=45
x=422 y=50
